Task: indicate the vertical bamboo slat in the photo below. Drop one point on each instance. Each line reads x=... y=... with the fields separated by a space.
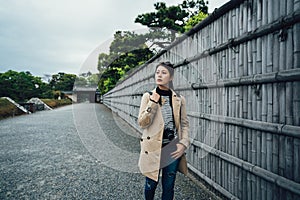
x=296 y=95
x=281 y=92
x=270 y=100
x=258 y=70
x=264 y=97
x=288 y=106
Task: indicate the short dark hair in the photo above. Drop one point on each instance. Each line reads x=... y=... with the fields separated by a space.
x=168 y=65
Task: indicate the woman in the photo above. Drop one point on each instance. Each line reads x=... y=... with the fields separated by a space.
x=165 y=137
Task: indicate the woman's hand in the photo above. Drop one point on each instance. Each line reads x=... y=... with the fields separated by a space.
x=155 y=97
x=179 y=152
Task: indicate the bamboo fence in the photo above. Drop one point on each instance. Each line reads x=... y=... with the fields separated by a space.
x=239 y=70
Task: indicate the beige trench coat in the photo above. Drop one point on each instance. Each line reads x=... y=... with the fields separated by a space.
x=150 y=119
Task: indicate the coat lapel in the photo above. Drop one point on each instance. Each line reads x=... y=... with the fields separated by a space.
x=176 y=103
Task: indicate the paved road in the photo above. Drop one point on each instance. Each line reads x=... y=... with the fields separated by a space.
x=75 y=152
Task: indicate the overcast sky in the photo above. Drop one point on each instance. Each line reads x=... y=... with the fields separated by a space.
x=51 y=36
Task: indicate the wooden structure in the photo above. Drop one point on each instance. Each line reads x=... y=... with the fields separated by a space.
x=239 y=70
x=82 y=94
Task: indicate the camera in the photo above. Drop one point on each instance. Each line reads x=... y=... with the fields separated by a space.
x=169 y=134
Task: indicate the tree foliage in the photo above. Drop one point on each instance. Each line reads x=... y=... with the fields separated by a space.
x=193 y=21
x=62 y=81
x=22 y=86
x=127 y=51
x=173 y=18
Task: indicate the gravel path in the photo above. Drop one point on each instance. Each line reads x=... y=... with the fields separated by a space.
x=59 y=154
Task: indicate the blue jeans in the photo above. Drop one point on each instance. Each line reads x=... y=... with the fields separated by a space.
x=168 y=182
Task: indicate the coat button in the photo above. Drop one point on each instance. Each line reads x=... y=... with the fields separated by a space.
x=148 y=138
x=146 y=152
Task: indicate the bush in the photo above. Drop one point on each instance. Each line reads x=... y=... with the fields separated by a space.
x=54 y=103
x=7 y=109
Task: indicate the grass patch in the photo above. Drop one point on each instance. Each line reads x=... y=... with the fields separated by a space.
x=7 y=109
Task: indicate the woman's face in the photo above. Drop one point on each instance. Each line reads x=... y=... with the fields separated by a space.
x=162 y=76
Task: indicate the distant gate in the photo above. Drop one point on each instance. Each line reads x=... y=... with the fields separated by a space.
x=82 y=94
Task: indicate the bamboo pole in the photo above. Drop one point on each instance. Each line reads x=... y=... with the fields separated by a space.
x=235 y=141
x=281 y=92
x=297 y=160
x=269 y=136
x=214 y=124
x=254 y=109
x=296 y=94
x=258 y=70
x=244 y=132
x=275 y=152
x=199 y=129
x=269 y=64
x=289 y=109
x=235 y=91
x=296 y=91
x=250 y=132
x=202 y=65
x=231 y=137
x=280 y=129
x=282 y=107
x=227 y=139
x=244 y=72
x=224 y=169
x=202 y=108
x=264 y=111
x=296 y=45
x=206 y=99
x=239 y=97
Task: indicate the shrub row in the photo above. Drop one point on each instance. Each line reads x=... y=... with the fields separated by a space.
x=7 y=109
x=54 y=103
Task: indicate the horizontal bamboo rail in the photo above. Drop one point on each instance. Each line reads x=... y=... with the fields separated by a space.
x=272 y=77
x=258 y=171
x=134 y=94
x=281 y=129
x=124 y=103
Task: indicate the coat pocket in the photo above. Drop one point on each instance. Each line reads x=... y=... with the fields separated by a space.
x=149 y=161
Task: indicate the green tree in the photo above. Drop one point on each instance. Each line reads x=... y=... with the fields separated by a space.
x=193 y=21
x=127 y=51
x=62 y=81
x=173 y=18
x=21 y=86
